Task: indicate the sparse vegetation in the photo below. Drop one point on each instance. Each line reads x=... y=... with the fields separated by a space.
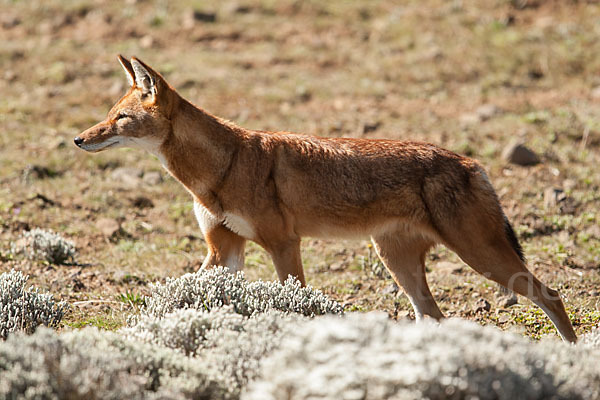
x=224 y=352
x=472 y=77
x=24 y=309
x=39 y=244
x=454 y=360
x=469 y=78
x=208 y=289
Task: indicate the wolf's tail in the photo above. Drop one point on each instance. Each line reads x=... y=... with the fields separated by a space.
x=512 y=238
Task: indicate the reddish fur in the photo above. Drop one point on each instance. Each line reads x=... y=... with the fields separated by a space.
x=281 y=186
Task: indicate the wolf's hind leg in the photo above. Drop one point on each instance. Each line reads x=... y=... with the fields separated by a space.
x=404 y=257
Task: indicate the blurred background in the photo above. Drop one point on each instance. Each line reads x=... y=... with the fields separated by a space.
x=514 y=84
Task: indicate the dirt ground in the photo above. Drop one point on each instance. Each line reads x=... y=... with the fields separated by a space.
x=471 y=76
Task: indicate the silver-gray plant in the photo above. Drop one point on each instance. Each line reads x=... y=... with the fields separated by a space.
x=216 y=287
x=147 y=361
x=39 y=244
x=591 y=339
x=24 y=309
x=92 y=364
x=370 y=357
x=231 y=343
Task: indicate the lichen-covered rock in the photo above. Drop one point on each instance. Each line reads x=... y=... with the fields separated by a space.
x=369 y=357
x=24 y=309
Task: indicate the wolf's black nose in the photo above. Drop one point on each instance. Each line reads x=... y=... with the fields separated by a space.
x=78 y=140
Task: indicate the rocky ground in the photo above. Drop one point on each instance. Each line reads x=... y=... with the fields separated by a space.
x=514 y=84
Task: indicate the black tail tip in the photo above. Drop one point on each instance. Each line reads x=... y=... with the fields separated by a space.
x=512 y=238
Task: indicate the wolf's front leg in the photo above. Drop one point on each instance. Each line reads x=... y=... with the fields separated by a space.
x=287 y=259
x=224 y=247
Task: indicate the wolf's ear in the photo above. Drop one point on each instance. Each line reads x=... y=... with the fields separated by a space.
x=145 y=78
x=128 y=70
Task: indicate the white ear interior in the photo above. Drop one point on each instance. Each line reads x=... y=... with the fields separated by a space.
x=143 y=78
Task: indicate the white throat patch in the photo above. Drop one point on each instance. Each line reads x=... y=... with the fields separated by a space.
x=151 y=145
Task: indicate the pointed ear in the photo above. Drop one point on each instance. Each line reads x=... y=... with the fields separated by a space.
x=128 y=70
x=145 y=77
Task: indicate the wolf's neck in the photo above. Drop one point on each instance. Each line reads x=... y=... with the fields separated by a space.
x=199 y=152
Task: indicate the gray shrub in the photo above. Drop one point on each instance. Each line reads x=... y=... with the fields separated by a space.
x=39 y=244
x=145 y=361
x=233 y=344
x=213 y=335
x=24 y=309
x=98 y=365
x=369 y=357
x=592 y=339
x=216 y=287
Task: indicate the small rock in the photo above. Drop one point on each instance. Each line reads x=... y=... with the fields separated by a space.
x=337 y=266
x=593 y=231
x=119 y=276
x=482 y=305
x=432 y=53
x=142 y=202
x=147 y=42
x=78 y=285
x=303 y=94
x=129 y=176
x=569 y=206
x=390 y=289
x=569 y=184
x=152 y=178
x=205 y=16
x=19 y=226
x=38 y=172
x=234 y=7
x=10 y=75
x=519 y=154
x=535 y=74
x=370 y=126
x=487 y=111
x=482 y=113
x=9 y=21
x=469 y=119
x=504 y=318
x=449 y=267
x=191 y=16
x=508 y=301
x=553 y=196
x=596 y=92
x=108 y=226
x=112 y=229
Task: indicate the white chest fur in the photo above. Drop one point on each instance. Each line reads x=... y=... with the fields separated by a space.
x=239 y=225
x=232 y=221
x=206 y=220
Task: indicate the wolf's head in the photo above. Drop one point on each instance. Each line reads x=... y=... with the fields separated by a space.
x=140 y=119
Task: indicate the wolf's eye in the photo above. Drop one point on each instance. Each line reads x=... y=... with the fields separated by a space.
x=121 y=115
